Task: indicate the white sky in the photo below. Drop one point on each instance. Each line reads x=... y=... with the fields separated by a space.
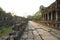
x=23 y=7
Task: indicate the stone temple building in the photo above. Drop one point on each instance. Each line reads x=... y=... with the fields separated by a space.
x=51 y=15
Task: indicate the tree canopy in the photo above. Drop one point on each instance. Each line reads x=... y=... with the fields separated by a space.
x=37 y=15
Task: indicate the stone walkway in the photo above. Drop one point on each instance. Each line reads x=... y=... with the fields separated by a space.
x=36 y=31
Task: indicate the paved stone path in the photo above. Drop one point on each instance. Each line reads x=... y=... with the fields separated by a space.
x=35 y=31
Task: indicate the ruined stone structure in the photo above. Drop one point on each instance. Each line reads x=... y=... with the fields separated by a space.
x=51 y=15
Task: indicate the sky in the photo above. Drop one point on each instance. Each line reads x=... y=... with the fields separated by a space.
x=23 y=7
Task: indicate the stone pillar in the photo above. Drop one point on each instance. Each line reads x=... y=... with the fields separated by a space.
x=43 y=17
x=56 y=16
x=51 y=16
x=48 y=16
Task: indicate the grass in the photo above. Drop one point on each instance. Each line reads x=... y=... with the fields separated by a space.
x=5 y=30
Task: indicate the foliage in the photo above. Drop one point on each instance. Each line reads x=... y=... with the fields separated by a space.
x=37 y=15
x=5 y=30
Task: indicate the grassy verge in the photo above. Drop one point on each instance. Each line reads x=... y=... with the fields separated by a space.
x=5 y=30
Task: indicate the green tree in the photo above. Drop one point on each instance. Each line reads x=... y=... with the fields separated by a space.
x=37 y=15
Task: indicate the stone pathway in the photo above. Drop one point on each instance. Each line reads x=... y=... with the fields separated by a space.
x=36 y=31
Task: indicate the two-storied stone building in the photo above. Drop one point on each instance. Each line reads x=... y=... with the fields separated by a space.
x=51 y=15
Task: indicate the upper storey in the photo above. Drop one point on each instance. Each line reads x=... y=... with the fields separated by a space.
x=53 y=7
